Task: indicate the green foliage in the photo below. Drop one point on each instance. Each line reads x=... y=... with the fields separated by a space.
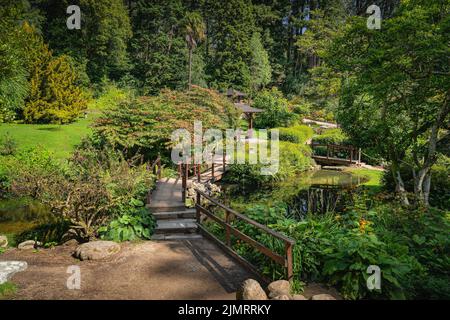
x=102 y=41
x=158 y=46
x=276 y=111
x=7 y=290
x=54 y=96
x=260 y=69
x=13 y=80
x=8 y=146
x=134 y=222
x=231 y=26
x=147 y=123
x=296 y=134
x=331 y=136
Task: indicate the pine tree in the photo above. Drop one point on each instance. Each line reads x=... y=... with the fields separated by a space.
x=54 y=96
x=261 y=71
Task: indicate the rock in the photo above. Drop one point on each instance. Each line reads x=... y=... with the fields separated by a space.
x=96 y=250
x=282 y=297
x=279 y=288
x=323 y=296
x=29 y=245
x=3 y=242
x=298 y=297
x=8 y=268
x=70 y=243
x=251 y=290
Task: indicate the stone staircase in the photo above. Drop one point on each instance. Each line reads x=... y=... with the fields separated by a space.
x=174 y=220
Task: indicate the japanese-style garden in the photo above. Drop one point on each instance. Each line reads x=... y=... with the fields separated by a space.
x=87 y=117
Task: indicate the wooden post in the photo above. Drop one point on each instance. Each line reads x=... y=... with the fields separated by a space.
x=228 y=231
x=183 y=182
x=212 y=172
x=289 y=268
x=224 y=160
x=359 y=156
x=198 y=172
x=197 y=208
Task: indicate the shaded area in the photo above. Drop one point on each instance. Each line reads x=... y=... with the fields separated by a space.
x=148 y=270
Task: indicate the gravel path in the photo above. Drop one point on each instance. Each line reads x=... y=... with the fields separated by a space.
x=195 y=269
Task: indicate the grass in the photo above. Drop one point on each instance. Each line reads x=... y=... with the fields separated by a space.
x=373 y=177
x=60 y=139
x=7 y=290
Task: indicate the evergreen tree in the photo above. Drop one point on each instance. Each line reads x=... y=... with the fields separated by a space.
x=158 y=48
x=101 y=44
x=261 y=72
x=54 y=96
x=230 y=28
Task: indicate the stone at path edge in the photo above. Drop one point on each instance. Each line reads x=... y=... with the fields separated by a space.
x=251 y=290
x=96 y=250
x=9 y=268
x=3 y=241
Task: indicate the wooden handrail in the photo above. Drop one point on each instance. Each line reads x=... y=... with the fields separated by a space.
x=285 y=261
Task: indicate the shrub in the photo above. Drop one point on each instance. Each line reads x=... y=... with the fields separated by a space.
x=8 y=146
x=296 y=134
x=331 y=136
x=276 y=110
x=133 y=222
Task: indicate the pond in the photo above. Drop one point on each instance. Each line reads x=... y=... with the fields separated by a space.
x=314 y=192
x=19 y=215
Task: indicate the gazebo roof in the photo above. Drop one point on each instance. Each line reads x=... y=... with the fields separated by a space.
x=235 y=93
x=245 y=108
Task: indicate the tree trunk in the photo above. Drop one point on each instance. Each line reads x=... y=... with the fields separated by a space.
x=190 y=69
x=399 y=184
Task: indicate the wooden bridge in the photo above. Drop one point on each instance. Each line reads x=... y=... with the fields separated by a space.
x=176 y=222
x=334 y=154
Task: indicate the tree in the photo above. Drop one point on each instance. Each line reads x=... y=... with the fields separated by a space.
x=260 y=70
x=54 y=96
x=395 y=98
x=101 y=43
x=276 y=110
x=158 y=48
x=194 y=28
x=230 y=28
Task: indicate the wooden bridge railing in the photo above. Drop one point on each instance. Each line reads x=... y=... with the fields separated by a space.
x=285 y=261
x=354 y=154
x=184 y=170
x=155 y=168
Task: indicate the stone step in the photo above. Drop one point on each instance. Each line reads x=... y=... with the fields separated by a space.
x=176 y=226
x=186 y=214
x=171 y=206
x=177 y=236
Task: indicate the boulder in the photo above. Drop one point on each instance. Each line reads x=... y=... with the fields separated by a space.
x=9 y=268
x=251 y=290
x=279 y=288
x=323 y=296
x=3 y=242
x=29 y=245
x=282 y=297
x=298 y=297
x=96 y=250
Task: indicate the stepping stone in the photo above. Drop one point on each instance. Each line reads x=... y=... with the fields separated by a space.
x=9 y=268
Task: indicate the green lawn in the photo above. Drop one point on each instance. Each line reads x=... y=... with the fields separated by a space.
x=60 y=139
x=373 y=176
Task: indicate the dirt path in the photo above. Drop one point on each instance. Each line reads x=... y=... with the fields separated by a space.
x=194 y=269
